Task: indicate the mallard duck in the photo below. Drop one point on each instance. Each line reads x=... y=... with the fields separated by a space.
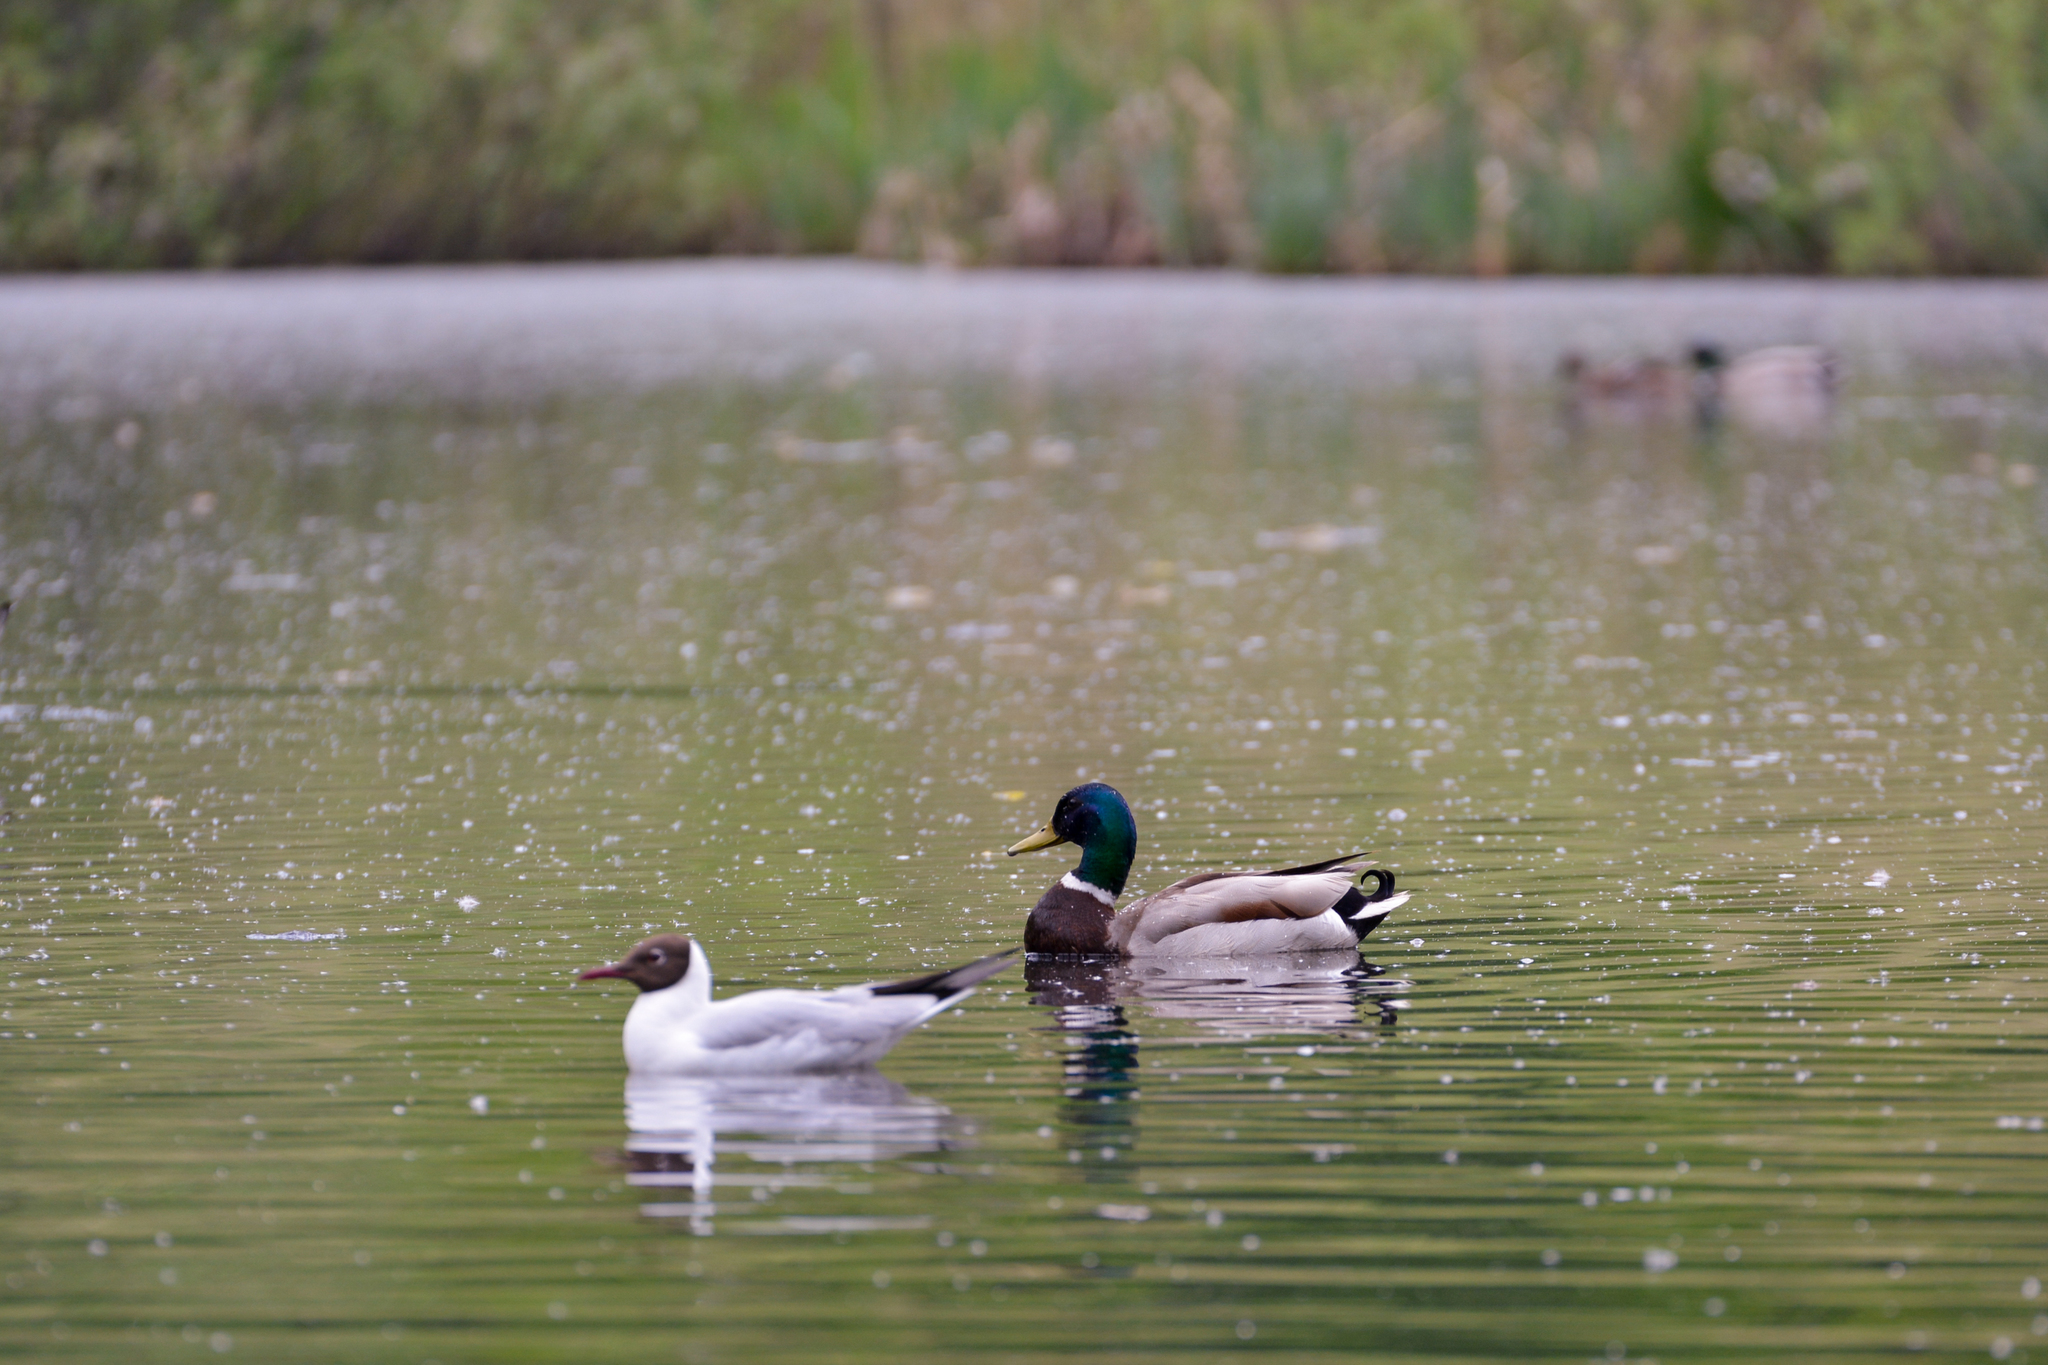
x=1321 y=906
x=1780 y=390
x=676 y=1029
x=1649 y=388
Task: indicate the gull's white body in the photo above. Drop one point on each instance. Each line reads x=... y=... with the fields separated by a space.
x=1213 y=917
x=681 y=1031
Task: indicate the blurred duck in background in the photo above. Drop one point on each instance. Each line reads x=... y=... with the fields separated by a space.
x=1648 y=389
x=1784 y=391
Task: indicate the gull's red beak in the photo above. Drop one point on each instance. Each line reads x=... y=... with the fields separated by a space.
x=610 y=969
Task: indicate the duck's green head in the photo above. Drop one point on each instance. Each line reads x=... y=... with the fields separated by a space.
x=1096 y=817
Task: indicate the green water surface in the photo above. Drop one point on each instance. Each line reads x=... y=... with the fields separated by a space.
x=1713 y=1030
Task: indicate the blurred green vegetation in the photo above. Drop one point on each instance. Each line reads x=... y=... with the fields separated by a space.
x=1856 y=136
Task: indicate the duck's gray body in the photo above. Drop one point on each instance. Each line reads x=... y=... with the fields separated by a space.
x=1246 y=914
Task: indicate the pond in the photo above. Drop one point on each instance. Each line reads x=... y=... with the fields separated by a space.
x=388 y=648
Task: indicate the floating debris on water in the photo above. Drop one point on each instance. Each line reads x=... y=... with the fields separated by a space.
x=1320 y=538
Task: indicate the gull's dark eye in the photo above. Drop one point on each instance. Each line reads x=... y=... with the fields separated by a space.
x=657 y=956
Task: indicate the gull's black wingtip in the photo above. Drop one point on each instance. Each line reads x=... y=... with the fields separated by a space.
x=954 y=979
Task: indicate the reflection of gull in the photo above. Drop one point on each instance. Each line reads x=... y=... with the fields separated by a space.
x=680 y=1124
x=849 y=1116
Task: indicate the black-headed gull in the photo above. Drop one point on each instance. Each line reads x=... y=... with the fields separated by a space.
x=675 y=1028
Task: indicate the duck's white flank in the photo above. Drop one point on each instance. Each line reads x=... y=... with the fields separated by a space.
x=1210 y=919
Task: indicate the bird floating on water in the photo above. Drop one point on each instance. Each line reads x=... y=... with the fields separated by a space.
x=1320 y=907
x=1784 y=391
x=675 y=1028
x=1646 y=389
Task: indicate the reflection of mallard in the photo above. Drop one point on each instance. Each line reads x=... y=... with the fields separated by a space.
x=1331 y=993
x=1098 y=1105
x=1319 y=907
x=1328 y=993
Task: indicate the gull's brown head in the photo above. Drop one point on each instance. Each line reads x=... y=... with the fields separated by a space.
x=654 y=964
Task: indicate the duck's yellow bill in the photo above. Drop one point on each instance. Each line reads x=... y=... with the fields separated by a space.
x=1045 y=838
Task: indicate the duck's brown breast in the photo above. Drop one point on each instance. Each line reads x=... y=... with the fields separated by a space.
x=1068 y=923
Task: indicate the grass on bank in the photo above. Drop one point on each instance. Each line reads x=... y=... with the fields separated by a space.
x=1491 y=136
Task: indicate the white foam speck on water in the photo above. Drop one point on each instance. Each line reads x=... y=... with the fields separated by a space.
x=299 y=936
x=1123 y=1213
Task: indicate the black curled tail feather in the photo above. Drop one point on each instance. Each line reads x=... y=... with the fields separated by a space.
x=1356 y=900
x=1326 y=865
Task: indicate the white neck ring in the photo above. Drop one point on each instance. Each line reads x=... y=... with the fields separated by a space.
x=1074 y=883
